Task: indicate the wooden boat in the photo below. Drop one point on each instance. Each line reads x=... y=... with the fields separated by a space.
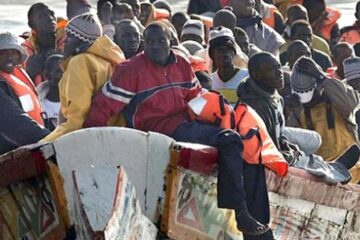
x=120 y=183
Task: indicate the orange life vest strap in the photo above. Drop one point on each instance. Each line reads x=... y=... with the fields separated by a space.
x=28 y=98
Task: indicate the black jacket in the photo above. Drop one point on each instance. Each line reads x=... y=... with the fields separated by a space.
x=16 y=127
x=249 y=93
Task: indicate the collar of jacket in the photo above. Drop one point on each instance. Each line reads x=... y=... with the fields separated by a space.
x=171 y=60
x=273 y=98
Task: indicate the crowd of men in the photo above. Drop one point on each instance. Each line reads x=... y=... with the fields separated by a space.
x=139 y=64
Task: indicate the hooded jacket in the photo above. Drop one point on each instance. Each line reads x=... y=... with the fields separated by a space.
x=343 y=101
x=264 y=104
x=84 y=74
x=16 y=127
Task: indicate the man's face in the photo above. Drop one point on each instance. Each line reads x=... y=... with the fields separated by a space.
x=54 y=73
x=224 y=57
x=303 y=33
x=144 y=13
x=128 y=38
x=44 y=21
x=135 y=5
x=120 y=13
x=157 y=45
x=243 y=8
x=70 y=45
x=271 y=73
x=9 y=59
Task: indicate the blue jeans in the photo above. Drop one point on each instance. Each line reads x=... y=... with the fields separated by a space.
x=235 y=177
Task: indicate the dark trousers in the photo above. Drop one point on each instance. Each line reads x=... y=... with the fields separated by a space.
x=235 y=177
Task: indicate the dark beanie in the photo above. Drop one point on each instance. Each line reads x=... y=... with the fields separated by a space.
x=221 y=37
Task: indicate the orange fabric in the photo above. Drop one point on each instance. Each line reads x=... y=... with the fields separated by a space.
x=18 y=82
x=198 y=64
x=331 y=72
x=258 y=145
x=269 y=18
x=211 y=108
x=329 y=22
x=161 y=14
x=258 y=149
x=351 y=37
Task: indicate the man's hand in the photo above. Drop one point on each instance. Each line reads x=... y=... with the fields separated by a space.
x=292 y=101
x=106 y=12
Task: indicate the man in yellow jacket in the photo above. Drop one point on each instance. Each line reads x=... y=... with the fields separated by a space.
x=90 y=62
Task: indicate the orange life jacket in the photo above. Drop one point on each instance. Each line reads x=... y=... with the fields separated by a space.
x=18 y=82
x=161 y=14
x=329 y=22
x=269 y=15
x=259 y=148
x=198 y=64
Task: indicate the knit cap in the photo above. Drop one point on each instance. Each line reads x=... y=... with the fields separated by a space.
x=86 y=27
x=10 y=41
x=195 y=27
x=220 y=37
x=352 y=68
x=192 y=46
x=305 y=75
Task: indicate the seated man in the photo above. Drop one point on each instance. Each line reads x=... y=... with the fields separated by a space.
x=260 y=91
x=155 y=99
x=227 y=77
x=47 y=36
x=260 y=34
x=49 y=91
x=340 y=52
x=298 y=12
x=242 y=40
x=90 y=59
x=328 y=107
x=351 y=34
x=12 y=55
x=301 y=30
x=323 y=20
x=270 y=15
x=127 y=37
x=20 y=110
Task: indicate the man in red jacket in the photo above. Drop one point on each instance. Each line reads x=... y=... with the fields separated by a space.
x=152 y=90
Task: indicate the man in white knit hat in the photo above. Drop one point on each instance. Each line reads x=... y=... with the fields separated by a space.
x=193 y=30
x=90 y=61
